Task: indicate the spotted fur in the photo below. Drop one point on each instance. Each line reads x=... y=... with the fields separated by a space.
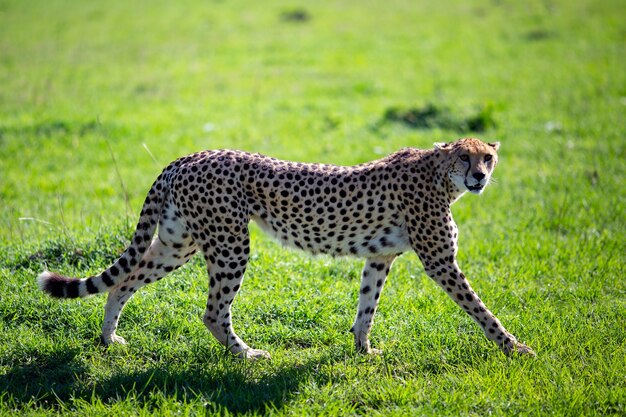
x=377 y=210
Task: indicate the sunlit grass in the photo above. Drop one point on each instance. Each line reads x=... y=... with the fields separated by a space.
x=97 y=98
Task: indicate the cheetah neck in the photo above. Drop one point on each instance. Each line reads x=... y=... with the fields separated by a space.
x=442 y=181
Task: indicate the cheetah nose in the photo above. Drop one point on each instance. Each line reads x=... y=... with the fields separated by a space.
x=478 y=175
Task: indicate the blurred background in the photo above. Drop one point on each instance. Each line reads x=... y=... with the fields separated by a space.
x=97 y=97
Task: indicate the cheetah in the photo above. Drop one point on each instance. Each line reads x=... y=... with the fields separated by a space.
x=376 y=210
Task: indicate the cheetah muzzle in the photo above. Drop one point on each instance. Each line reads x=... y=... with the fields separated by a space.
x=377 y=210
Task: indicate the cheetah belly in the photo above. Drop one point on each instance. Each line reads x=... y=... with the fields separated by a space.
x=352 y=240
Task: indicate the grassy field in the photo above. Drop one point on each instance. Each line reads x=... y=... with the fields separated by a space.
x=95 y=98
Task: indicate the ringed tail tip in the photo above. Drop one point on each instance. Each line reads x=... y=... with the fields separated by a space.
x=58 y=286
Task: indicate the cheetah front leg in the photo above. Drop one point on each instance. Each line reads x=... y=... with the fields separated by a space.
x=226 y=265
x=439 y=259
x=445 y=272
x=459 y=289
x=373 y=278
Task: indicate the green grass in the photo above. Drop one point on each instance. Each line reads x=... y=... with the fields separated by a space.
x=96 y=98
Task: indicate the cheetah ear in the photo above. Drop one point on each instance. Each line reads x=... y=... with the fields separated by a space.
x=444 y=147
x=494 y=145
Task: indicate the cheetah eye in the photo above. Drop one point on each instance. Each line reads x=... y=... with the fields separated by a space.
x=488 y=158
x=464 y=158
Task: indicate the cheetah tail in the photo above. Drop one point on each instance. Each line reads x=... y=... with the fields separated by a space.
x=60 y=286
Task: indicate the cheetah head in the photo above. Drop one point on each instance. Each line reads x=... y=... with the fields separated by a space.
x=471 y=163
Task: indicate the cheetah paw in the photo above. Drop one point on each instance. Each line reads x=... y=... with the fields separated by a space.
x=107 y=341
x=253 y=354
x=516 y=348
x=369 y=351
x=522 y=349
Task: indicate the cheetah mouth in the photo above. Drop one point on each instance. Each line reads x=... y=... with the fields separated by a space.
x=475 y=188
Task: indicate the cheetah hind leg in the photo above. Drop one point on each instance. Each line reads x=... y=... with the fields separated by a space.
x=217 y=317
x=172 y=249
x=226 y=267
x=373 y=278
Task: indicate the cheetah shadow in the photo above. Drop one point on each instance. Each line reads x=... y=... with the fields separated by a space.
x=53 y=379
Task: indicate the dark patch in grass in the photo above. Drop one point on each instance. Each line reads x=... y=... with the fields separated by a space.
x=593 y=177
x=482 y=120
x=296 y=318
x=432 y=117
x=538 y=35
x=44 y=377
x=104 y=248
x=54 y=379
x=52 y=128
x=295 y=16
x=57 y=253
x=330 y=123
